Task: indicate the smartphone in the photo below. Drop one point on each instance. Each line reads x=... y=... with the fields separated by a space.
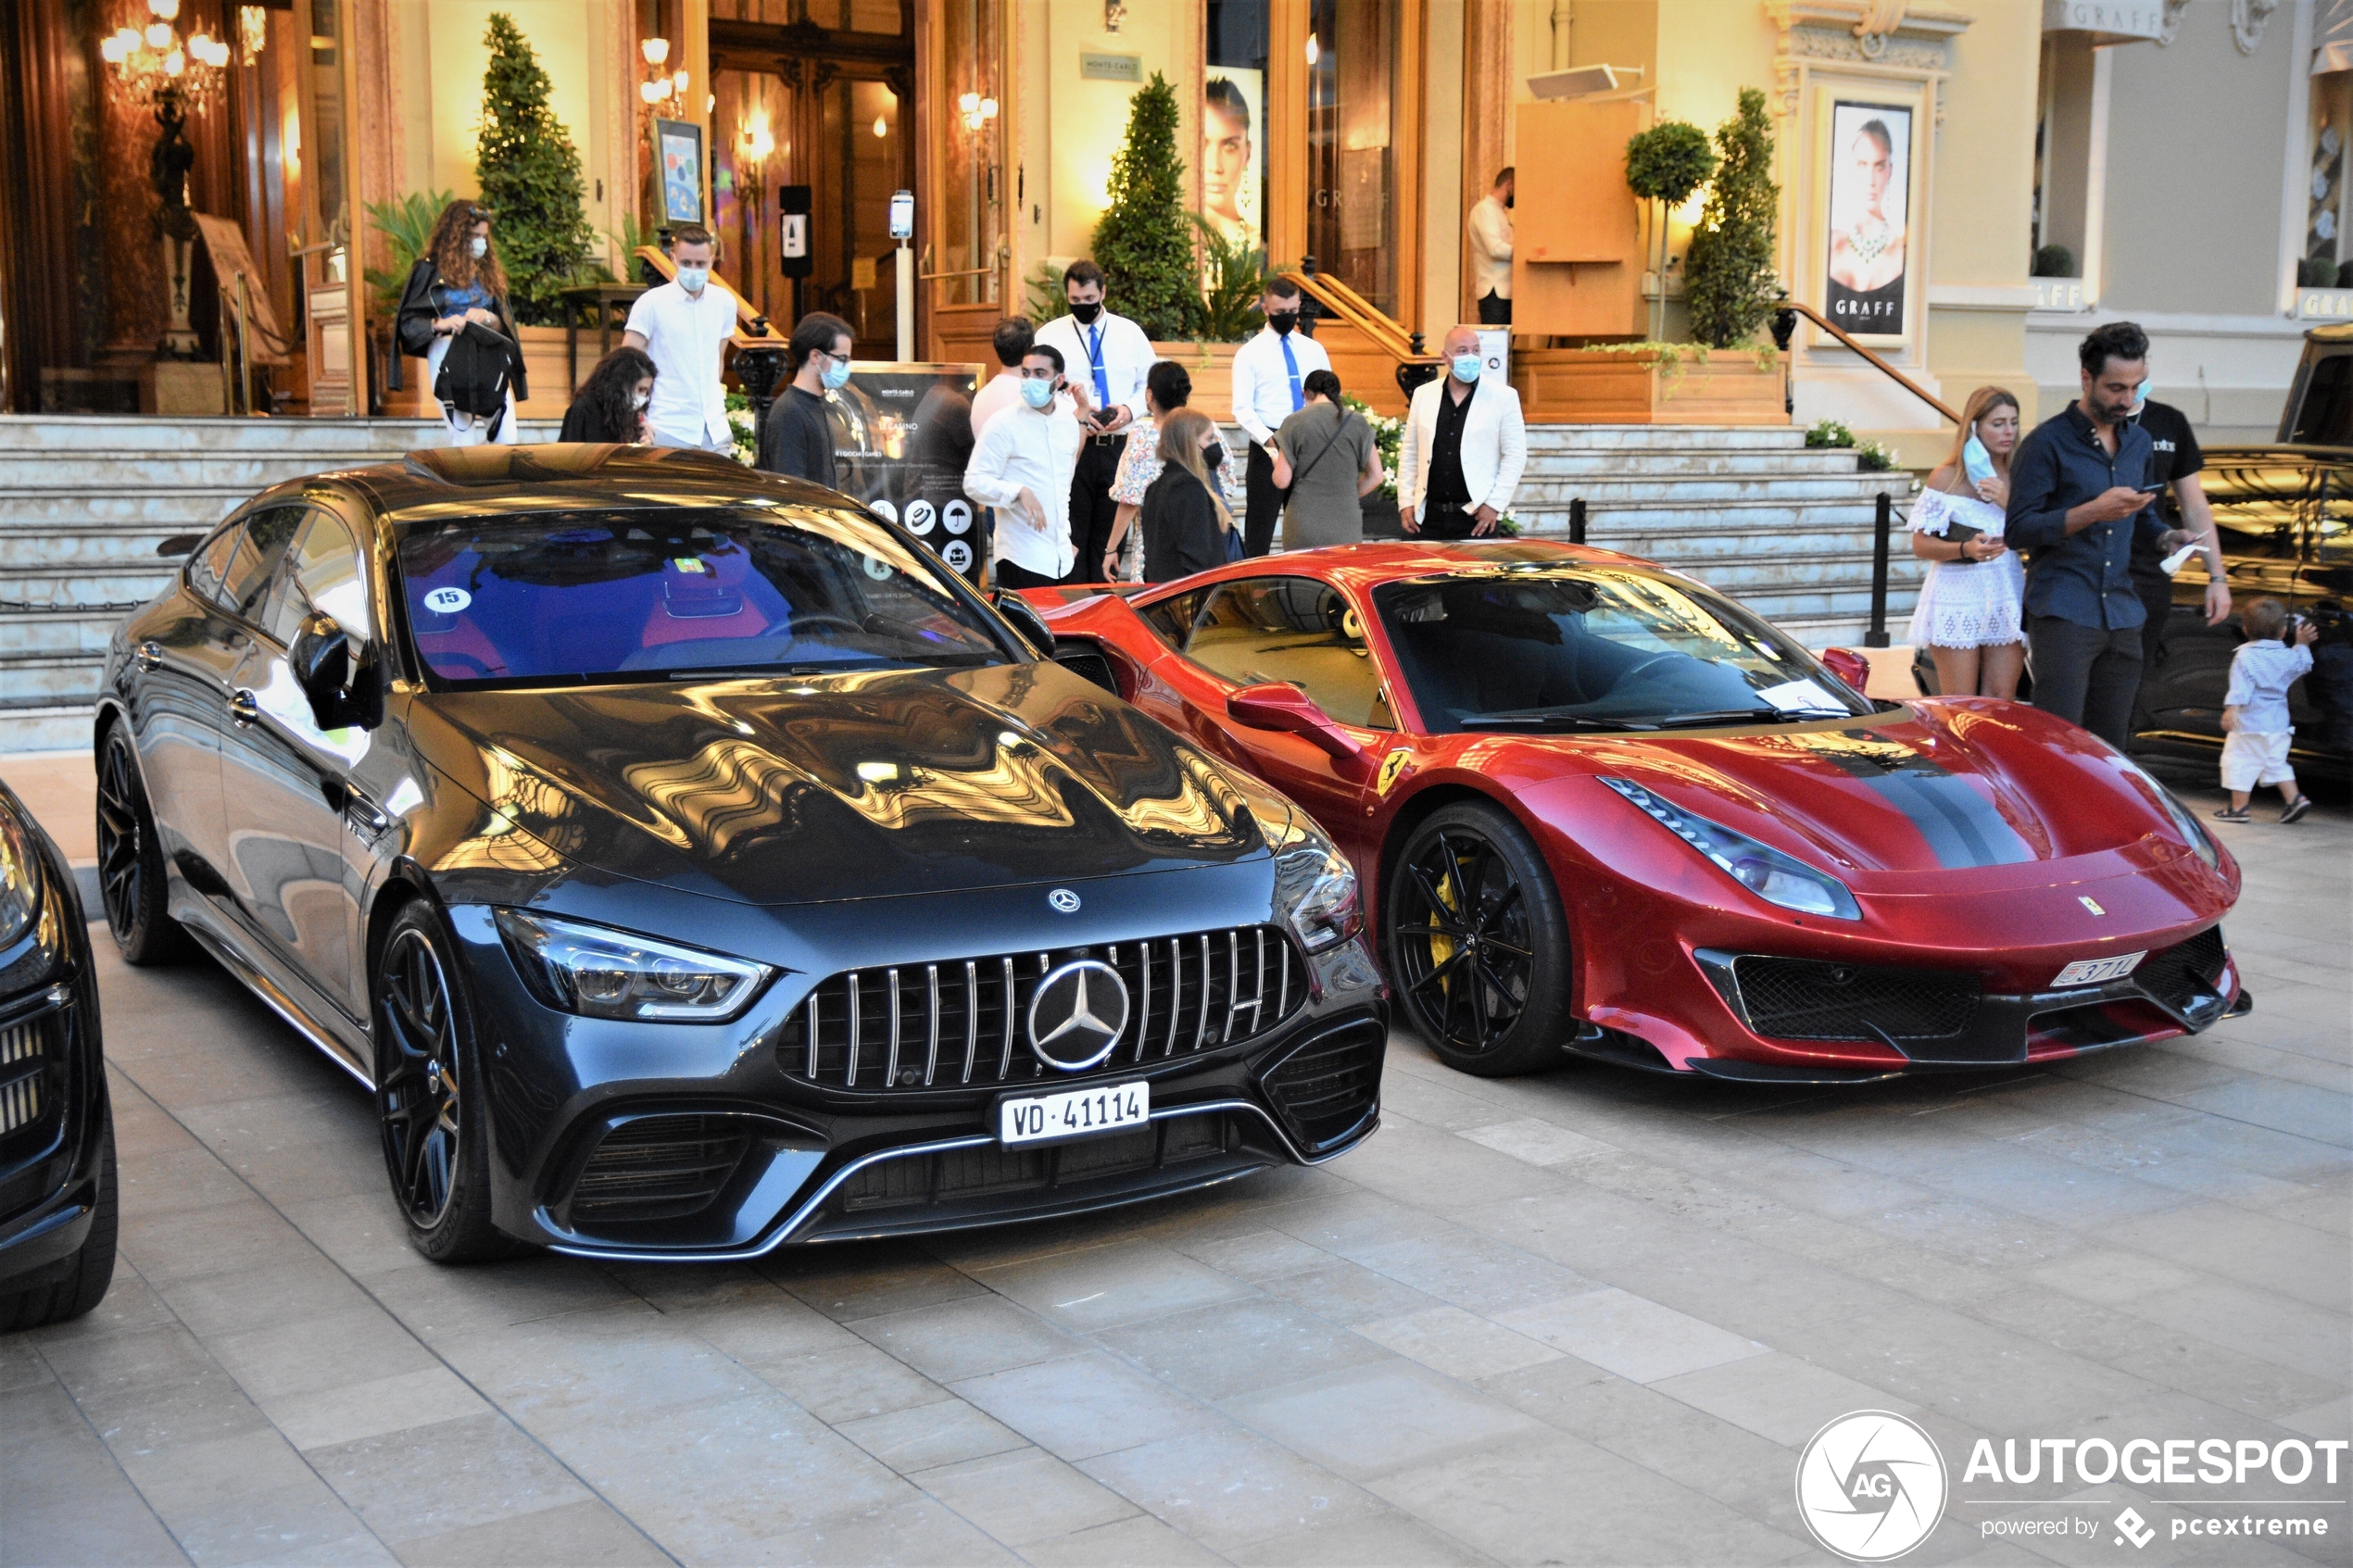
x=2150 y=489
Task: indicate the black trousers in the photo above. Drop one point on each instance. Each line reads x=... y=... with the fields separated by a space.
x=1263 y=502
x=2156 y=598
x=1013 y=575
x=1446 y=523
x=1494 y=310
x=1092 y=511
x=2087 y=675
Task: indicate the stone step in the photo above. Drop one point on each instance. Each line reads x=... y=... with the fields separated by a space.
x=86 y=583
x=1603 y=493
x=104 y=471
x=84 y=547
x=382 y=437
x=1666 y=437
x=1572 y=462
x=56 y=727
x=52 y=635
x=163 y=511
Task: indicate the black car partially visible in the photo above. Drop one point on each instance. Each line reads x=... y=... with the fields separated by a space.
x=57 y=1130
x=691 y=864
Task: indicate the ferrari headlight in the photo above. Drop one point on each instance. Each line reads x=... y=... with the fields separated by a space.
x=19 y=878
x=1763 y=870
x=600 y=972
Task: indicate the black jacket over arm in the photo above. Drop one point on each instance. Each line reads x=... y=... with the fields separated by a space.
x=1181 y=535
x=422 y=303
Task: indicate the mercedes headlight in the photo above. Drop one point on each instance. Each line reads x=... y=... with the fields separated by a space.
x=1315 y=889
x=20 y=879
x=1763 y=870
x=600 y=972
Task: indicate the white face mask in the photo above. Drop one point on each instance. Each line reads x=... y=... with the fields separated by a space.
x=692 y=279
x=480 y=245
x=638 y=400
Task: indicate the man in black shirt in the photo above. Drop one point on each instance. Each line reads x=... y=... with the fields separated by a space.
x=2174 y=460
x=798 y=439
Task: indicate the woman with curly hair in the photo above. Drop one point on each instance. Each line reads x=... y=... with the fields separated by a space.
x=611 y=405
x=455 y=287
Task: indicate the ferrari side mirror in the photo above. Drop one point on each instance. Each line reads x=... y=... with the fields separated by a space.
x=1848 y=666
x=1287 y=711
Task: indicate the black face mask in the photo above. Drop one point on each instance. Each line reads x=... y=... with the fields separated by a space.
x=1088 y=312
x=1282 y=321
x=1507 y=201
x=1213 y=455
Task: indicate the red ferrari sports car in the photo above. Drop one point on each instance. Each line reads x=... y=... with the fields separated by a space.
x=1599 y=808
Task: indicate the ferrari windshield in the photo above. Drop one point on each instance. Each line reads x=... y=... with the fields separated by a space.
x=581 y=595
x=1594 y=648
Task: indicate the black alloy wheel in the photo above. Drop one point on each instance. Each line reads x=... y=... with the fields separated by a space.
x=131 y=873
x=1478 y=944
x=424 y=1075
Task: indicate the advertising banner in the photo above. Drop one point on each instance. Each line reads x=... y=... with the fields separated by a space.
x=1232 y=167
x=903 y=434
x=1870 y=153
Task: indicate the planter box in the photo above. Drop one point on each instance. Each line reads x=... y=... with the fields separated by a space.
x=544 y=363
x=1587 y=386
x=1212 y=367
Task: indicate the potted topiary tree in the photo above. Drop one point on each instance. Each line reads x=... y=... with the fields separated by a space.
x=1664 y=165
x=1144 y=242
x=1728 y=281
x=531 y=182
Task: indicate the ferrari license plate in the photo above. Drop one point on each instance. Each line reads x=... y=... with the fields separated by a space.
x=1080 y=1113
x=2097 y=972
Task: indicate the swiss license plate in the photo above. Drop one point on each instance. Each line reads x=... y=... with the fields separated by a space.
x=1077 y=1114
x=2095 y=971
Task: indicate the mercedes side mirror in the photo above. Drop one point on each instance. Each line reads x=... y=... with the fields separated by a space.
x=1026 y=621
x=323 y=668
x=1287 y=711
x=1848 y=666
x=178 y=544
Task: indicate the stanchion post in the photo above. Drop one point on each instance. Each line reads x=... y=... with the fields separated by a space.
x=1882 y=522
x=1576 y=521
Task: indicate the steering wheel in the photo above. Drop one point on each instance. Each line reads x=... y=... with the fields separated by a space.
x=794 y=625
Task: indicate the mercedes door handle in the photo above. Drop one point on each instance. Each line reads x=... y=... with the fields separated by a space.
x=148 y=657
x=244 y=707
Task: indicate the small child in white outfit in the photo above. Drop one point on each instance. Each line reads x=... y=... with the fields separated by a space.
x=2255 y=711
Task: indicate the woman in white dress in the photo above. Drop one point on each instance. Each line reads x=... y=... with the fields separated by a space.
x=1969 y=610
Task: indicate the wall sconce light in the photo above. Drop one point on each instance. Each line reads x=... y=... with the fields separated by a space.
x=253 y=34
x=656 y=50
x=975 y=110
x=881 y=127
x=1314 y=50
x=661 y=87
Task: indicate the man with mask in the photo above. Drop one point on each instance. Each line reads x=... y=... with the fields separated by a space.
x=1491 y=253
x=797 y=438
x=1108 y=357
x=1022 y=465
x=1268 y=372
x=684 y=325
x=2079 y=493
x=1464 y=448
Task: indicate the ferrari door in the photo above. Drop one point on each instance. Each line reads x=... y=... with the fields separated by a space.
x=1294 y=630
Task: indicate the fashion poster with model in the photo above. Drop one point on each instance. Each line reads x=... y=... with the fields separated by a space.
x=1870 y=149
x=1231 y=166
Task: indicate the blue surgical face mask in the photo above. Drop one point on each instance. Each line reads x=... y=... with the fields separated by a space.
x=1036 y=394
x=1976 y=461
x=835 y=374
x=1467 y=367
x=692 y=279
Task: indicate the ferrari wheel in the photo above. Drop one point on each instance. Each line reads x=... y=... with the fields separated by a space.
x=1479 y=949
x=428 y=1095
x=130 y=876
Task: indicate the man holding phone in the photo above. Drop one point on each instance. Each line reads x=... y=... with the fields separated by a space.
x=1108 y=358
x=2080 y=490
x=1022 y=465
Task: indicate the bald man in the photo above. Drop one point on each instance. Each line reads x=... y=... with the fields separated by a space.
x=1464 y=446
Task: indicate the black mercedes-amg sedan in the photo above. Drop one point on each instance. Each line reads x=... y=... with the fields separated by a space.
x=57 y=1199
x=690 y=863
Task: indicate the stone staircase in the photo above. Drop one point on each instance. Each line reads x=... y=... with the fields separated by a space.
x=1748 y=509
x=85 y=500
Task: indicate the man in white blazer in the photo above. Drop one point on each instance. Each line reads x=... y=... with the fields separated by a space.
x=1464 y=446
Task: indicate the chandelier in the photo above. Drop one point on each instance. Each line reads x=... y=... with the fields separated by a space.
x=158 y=67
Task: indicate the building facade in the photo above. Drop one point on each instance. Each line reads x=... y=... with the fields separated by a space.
x=2186 y=156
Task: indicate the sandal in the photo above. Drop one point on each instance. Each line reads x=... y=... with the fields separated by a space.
x=2232 y=814
x=2296 y=809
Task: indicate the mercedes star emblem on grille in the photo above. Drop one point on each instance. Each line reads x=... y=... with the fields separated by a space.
x=1077 y=1014
x=1062 y=901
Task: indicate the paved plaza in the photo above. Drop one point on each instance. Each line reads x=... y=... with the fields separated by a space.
x=1589 y=1316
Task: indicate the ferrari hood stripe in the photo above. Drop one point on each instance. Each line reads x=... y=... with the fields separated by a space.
x=1961 y=826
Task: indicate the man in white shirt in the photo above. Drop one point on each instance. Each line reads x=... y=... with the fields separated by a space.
x=1108 y=357
x=684 y=325
x=1022 y=465
x=1464 y=448
x=1268 y=371
x=1490 y=253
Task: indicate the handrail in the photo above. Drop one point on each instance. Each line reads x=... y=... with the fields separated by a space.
x=755 y=327
x=1345 y=305
x=1906 y=382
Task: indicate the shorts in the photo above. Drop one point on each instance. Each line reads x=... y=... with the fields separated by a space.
x=2251 y=760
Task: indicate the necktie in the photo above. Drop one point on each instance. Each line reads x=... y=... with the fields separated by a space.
x=1290 y=364
x=1095 y=356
